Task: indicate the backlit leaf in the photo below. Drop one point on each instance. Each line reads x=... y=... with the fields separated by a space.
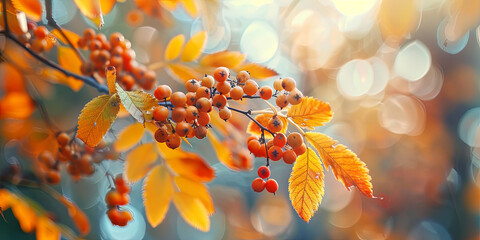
x=107 y=5
x=139 y=161
x=193 y=48
x=31 y=8
x=96 y=118
x=13 y=80
x=306 y=184
x=228 y=59
x=78 y=216
x=258 y=71
x=46 y=229
x=187 y=164
x=17 y=105
x=192 y=211
x=17 y=22
x=182 y=73
x=224 y=154
x=174 y=47
x=310 y=113
x=190 y=7
x=129 y=136
x=73 y=37
x=136 y=102
x=92 y=10
x=157 y=193
x=111 y=80
x=196 y=190
x=25 y=215
x=68 y=59
x=346 y=166
x=263 y=119
x=169 y=5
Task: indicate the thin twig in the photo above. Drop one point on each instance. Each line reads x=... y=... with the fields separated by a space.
x=5 y=22
x=248 y=114
x=41 y=107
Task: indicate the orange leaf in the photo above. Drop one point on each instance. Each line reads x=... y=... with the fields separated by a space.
x=224 y=154
x=263 y=119
x=174 y=47
x=12 y=78
x=16 y=105
x=190 y=7
x=31 y=8
x=192 y=211
x=258 y=71
x=169 y=5
x=111 y=80
x=129 y=136
x=182 y=73
x=346 y=166
x=46 y=229
x=306 y=184
x=96 y=118
x=187 y=164
x=139 y=161
x=157 y=193
x=92 y=10
x=310 y=113
x=78 y=216
x=73 y=37
x=25 y=215
x=397 y=18
x=17 y=22
x=107 y=6
x=6 y=199
x=68 y=59
x=193 y=48
x=228 y=59
x=196 y=190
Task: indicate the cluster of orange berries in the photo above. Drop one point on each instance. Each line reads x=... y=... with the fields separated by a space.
x=38 y=37
x=258 y=185
x=79 y=159
x=115 y=198
x=117 y=52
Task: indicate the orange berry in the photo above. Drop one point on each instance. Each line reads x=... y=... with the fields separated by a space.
x=127 y=81
x=52 y=177
x=289 y=156
x=173 y=141
x=162 y=92
x=203 y=105
x=219 y=101
x=221 y=74
x=294 y=140
x=179 y=114
x=280 y=140
x=258 y=185
x=192 y=85
x=250 y=88
x=266 y=92
x=113 y=198
x=191 y=98
x=121 y=184
x=275 y=153
x=223 y=87
x=300 y=150
x=183 y=129
x=288 y=83
x=269 y=144
x=46 y=157
x=178 y=99
x=263 y=172
x=281 y=100
x=200 y=132
x=203 y=118
x=95 y=45
x=192 y=114
x=85 y=164
x=63 y=139
x=41 y=32
x=89 y=34
x=203 y=92
x=119 y=218
x=243 y=76
x=87 y=68
x=252 y=137
x=116 y=38
x=225 y=113
x=275 y=124
x=295 y=97
x=262 y=152
x=271 y=185
x=253 y=146
x=277 y=84
x=161 y=135
x=208 y=81
x=160 y=113
x=148 y=81
x=236 y=93
x=39 y=45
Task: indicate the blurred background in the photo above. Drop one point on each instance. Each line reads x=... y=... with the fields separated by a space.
x=403 y=81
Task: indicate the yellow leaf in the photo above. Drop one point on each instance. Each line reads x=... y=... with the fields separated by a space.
x=107 y=5
x=310 y=113
x=263 y=119
x=46 y=229
x=258 y=71
x=129 y=136
x=151 y=127
x=92 y=10
x=139 y=161
x=193 y=48
x=190 y=7
x=192 y=211
x=157 y=193
x=136 y=102
x=182 y=73
x=174 y=47
x=228 y=59
x=346 y=166
x=68 y=59
x=306 y=184
x=31 y=8
x=196 y=190
x=73 y=37
x=398 y=18
x=25 y=215
x=224 y=154
x=111 y=79
x=96 y=118
x=78 y=216
x=169 y=5
x=187 y=164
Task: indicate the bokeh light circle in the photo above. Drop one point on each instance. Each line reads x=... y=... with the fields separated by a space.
x=355 y=78
x=429 y=230
x=413 y=61
x=447 y=45
x=401 y=114
x=135 y=229
x=259 y=42
x=469 y=127
x=218 y=39
x=381 y=75
x=429 y=86
x=353 y=8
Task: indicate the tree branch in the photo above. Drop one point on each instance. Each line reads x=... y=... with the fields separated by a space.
x=247 y=113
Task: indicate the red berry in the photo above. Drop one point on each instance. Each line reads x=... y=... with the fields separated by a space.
x=263 y=172
x=258 y=185
x=271 y=185
x=279 y=140
x=275 y=153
